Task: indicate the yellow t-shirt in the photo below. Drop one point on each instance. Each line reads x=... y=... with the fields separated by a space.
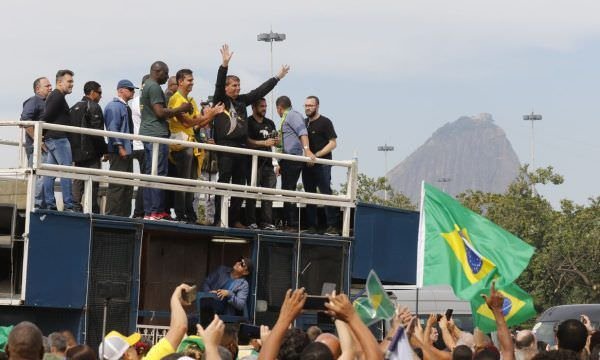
x=176 y=101
x=162 y=348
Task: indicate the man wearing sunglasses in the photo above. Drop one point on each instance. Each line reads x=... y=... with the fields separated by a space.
x=87 y=150
x=230 y=286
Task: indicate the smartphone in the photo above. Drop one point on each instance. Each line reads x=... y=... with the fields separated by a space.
x=190 y=295
x=247 y=332
x=315 y=303
x=449 y=314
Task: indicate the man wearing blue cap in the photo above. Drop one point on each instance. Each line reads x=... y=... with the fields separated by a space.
x=117 y=117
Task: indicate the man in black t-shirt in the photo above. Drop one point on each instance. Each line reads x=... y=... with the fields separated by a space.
x=262 y=135
x=56 y=141
x=322 y=141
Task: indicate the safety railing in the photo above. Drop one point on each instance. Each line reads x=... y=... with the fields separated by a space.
x=345 y=201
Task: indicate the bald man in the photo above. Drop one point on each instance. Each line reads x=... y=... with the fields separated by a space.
x=171 y=88
x=25 y=342
x=155 y=116
x=332 y=342
x=525 y=345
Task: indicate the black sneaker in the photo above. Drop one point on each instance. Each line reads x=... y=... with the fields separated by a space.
x=311 y=231
x=332 y=231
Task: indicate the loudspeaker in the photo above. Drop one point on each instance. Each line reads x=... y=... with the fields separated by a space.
x=112 y=264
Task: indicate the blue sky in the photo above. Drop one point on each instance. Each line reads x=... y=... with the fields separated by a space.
x=386 y=72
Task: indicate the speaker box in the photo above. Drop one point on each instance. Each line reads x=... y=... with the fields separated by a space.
x=111 y=281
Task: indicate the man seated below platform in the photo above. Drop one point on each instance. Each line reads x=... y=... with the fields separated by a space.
x=230 y=288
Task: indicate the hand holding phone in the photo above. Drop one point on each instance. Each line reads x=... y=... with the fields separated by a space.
x=449 y=314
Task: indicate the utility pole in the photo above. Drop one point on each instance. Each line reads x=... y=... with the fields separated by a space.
x=532 y=117
x=270 y=37
x=385 y=148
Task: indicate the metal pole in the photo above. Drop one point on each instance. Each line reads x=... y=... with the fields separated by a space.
x=272 y=94
x=532 y=117
x=385 y=148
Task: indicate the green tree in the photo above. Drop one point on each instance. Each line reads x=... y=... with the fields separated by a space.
x=371 y=190
x=566 y=265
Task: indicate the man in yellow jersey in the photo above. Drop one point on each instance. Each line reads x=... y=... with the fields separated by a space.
x=187 y=160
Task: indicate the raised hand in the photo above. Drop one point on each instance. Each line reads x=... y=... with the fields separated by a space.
x=431 y=320
x=264 y=333
x=213 y=333
x=283 y=71
x=226 y=55
x=293 y=304
x=495 y=300
x=339 y=306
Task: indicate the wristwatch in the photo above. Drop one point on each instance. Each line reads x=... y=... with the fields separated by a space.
x=305 y=147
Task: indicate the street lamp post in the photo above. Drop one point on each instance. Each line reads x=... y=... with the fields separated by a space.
x=270 y=37
x=532 y=117
x=385 y=148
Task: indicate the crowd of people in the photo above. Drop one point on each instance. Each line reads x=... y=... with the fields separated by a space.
x=174 y=114
x=439 y=338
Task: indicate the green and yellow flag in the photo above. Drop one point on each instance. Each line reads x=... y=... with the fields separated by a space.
x=463 y=249
x=517 y=308
x=377 y=305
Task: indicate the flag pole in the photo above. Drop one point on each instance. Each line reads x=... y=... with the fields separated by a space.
x=421 y=241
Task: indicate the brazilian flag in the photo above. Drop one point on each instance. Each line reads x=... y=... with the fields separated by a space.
x=377 y=305
x=463 y=249
x=517 y=308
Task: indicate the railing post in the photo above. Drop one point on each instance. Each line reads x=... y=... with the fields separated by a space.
x=88 y=196
x=254 y=172
x=37 y=145
x=155 y=147
x=224 y=211
x=351 y=195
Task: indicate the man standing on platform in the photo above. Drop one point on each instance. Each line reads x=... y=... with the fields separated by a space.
x=262 y=135
x=117 y=116
x=155 y=115
x=294 y=141
x=322 y=141
x=56 y=141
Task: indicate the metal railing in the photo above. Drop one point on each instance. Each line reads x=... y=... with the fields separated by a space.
x=344 y=201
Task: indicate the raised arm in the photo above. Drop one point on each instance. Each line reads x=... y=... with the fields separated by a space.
x=292 y=306
x=495 y=301
x=446 y=335
x=266 y=87
x=340 y=307
x=219 y=95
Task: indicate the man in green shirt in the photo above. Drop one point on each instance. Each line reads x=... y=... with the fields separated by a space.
x=155 y=115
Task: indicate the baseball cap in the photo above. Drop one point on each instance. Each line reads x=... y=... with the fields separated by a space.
x=131 y=339
x=126 y=84
x=112 y=348
x=191 y=340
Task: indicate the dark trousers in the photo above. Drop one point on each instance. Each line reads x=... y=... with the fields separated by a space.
x=79 y=186
x=154 y=199
x=140 y=156
x=290 y=173
x=185 y=168
x=265 y=177
x=316 y=177
x=118 y=199
x=232 y=168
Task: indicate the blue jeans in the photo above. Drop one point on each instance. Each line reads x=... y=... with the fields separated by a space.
x=313 y=177
x=154 y=199
x=39 y=182
x=59 y=153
